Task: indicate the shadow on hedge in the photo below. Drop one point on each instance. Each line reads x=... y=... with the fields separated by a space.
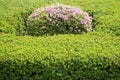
x=73 y=69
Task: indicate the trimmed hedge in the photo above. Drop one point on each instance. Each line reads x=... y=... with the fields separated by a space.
x=94 y=56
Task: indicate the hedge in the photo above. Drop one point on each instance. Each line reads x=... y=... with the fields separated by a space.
x=94 y=56
x=91 y=56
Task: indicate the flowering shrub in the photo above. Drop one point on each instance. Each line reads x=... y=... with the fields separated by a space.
x=59 y=19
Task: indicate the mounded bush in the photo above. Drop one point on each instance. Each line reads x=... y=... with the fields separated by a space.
x=58 y=19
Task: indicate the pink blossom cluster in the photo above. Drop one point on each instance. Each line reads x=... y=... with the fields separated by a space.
x=66 y=13
x=36 y=13
x=62 y=13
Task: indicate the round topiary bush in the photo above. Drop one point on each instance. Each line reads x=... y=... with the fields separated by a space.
x=58 y=19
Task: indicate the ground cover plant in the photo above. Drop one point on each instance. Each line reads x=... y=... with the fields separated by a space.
x=89 y=56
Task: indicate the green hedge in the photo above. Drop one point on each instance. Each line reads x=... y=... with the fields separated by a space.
x=91 y=56
x=106 y=13
x=94 y=56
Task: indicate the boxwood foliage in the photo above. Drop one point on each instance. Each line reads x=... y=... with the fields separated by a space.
x=94 y=56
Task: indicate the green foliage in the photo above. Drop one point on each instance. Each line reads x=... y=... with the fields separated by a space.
x=93 y=56
x=5 y=27
x=106 y=17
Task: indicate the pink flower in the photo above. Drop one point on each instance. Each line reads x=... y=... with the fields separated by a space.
x=60 y=15
x=34 y=15
x=64 y=8
x=51 y=13
x=48 y=9
x=83 y=22
x=90 y=18
x=65 y=18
